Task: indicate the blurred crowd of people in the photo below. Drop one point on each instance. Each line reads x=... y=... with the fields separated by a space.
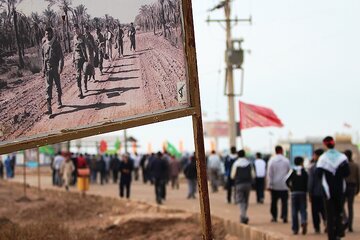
x=158 y=169
x=328 y=183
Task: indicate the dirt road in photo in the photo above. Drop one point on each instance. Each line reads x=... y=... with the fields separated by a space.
x=141 y=82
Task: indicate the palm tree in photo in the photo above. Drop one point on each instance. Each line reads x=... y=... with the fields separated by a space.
x=162 y=16
x=11 y=4
x=49 y=17
x=65 y=6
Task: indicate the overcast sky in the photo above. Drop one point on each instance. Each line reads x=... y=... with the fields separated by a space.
x=124 y=10
x=304 y=64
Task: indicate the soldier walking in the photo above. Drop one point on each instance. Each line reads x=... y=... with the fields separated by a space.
x=100 y=43
x=119 y=41
x=52 y=56
x=79 y=58
x=132 y=33
x=109 y=38
x=90 y=47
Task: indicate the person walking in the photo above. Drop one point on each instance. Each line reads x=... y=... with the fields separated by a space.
x=241 y=173
x=132 y=33
x=91 y=49
x=144 y=167
x=229 y=161
x=93 y=170
x=175 y=169
x=278 y=168
x=8 y=167
x=352 y=189
x=159 y=172
x=100 y=43
x=260 y=171
x=191 y=176
x=126 y=167
x=120 y=41
x=52 y=67
x=109 y=38
x=58 y=161
x=107 y=167
x=297 y=181
x=1 y=169
x=114 y=167
x=67 y=168
x=136 y=160
x=101 y=168
x=316 y=193
x=79 y=58
x=214 y=170
x=74 y=159
x=332 y=169
x=13 y=164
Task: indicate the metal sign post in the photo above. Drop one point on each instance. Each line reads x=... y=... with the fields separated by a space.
x=197 y=123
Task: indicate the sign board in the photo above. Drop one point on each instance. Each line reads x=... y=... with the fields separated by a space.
x=304 y=150
x=125 y=63
x=219 y=129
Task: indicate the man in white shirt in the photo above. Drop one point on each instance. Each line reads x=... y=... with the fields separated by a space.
x=108 y=36
x=58 y=160
x=260 y=170
x=278 y=168
x=214 y=168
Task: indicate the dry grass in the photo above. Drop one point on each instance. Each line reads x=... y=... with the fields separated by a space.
x=45 y=230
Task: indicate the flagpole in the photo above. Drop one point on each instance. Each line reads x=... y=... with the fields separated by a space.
x=241 y=139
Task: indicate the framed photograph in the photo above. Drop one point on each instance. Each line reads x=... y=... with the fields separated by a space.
x=76 y=68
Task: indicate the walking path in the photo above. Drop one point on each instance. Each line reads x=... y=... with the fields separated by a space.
x=259 y=214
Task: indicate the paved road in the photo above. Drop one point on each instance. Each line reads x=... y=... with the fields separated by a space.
x=259 y=214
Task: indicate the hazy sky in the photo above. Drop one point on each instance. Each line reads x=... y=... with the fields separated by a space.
x=304 y=64
x=124 y=10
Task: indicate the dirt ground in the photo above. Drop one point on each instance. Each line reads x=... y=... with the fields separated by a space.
x=141 y=82
x=67 y=215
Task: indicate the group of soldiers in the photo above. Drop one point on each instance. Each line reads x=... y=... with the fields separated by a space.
x=88 y=52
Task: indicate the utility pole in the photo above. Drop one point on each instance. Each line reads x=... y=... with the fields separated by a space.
x=230 y=77
x=229 y=74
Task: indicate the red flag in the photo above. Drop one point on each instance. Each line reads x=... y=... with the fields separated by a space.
x=103 y=146
x=257 y=116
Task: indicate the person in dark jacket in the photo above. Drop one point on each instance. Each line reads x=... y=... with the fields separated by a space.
x=297 y=181
x=229 y=161
x=101 y=168
x=1 y=169
x=126 y=167
x=332 y=169
x=241 y=173
x=352 y=189
x=114 y=167
x=315 y=193
x=191 y=176
x=159 y=172
x=13 y=164
x=143 y=165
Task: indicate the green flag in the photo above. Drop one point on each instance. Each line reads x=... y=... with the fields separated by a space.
x=48 y=150
x=171 y=149
x=117 y=145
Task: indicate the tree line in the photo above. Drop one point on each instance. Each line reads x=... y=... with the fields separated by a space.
x=162 y=15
